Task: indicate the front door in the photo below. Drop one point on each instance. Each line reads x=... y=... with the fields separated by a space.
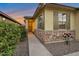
x=30 y=25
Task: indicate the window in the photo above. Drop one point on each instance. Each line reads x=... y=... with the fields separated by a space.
x=61 y=20
x=40 y=22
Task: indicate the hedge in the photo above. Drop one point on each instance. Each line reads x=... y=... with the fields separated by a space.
x=10 y=35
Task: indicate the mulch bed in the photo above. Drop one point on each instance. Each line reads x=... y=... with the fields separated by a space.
x=59 y=49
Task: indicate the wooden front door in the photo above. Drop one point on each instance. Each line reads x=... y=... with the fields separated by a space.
x=30 y=25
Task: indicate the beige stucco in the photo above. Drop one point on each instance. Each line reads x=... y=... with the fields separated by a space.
x=72 y=21
x=77 y=26
x=26 y=24
x=48 y=20
x=33 y=25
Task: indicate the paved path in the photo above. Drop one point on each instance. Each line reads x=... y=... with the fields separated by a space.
x=22 y=49
x=36 y=48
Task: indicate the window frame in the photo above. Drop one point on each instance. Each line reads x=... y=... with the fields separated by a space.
x=62 y=21
x=55 y=20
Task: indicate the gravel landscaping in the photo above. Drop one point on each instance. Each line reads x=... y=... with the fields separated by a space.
x=22 y=49
x=59 y=49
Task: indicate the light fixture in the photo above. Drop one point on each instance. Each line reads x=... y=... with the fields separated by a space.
x=3 y=19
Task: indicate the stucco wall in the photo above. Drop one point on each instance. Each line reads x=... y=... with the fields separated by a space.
x=72 y=21
x=26 y=24
x=77 y=25
x=33 y=25
x=48 y=20
x=1 y=18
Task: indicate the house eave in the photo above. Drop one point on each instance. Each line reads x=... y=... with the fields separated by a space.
x=43 y=5
x=28 y=17
x=8 y=17
x=39 y=8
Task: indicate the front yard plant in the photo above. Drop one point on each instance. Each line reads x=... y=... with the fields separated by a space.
x=67 y=37
x=10 y=35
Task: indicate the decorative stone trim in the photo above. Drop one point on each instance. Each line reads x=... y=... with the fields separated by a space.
x=53 y=36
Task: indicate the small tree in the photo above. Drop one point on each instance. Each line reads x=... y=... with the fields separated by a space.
x=67 y=36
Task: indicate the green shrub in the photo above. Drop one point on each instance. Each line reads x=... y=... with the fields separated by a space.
x=10 y=35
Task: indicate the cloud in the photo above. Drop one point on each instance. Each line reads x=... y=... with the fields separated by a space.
x=18 y=15
x=22 y=13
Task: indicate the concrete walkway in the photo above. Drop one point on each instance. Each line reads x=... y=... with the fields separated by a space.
x=35 y=47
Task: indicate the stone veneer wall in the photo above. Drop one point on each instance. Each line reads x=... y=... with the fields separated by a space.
x=53 y=36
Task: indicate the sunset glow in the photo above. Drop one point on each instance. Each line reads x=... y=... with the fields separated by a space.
x=18 y=10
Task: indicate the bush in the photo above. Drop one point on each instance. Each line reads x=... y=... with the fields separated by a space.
x=10 y=35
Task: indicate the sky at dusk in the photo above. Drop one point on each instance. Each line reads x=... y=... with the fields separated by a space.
x=19 y=10
x=23 y=9
x=72 y=4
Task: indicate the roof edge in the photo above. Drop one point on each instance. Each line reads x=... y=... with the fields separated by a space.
x=41 y=5
x=8 y=17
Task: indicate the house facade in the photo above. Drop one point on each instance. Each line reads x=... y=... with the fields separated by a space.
x=51 y=20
